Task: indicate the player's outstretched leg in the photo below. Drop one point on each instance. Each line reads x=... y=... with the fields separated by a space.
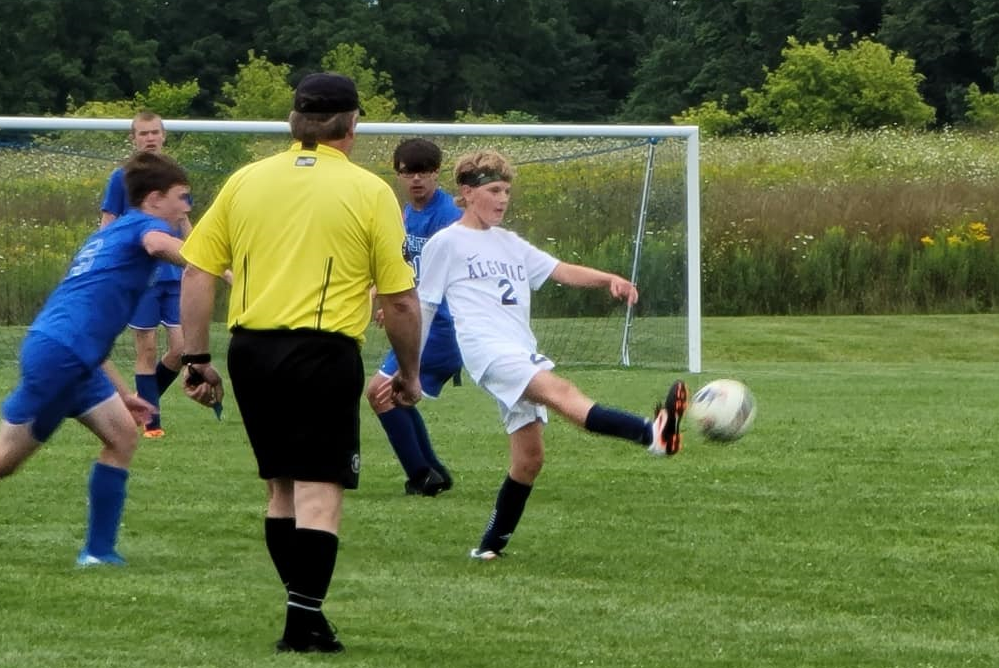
x=666 y=426
x=660 y=435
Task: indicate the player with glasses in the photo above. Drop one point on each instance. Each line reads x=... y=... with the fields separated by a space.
x=423 y=176
x=428 y=210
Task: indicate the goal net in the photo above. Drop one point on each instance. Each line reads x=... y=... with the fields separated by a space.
x=620 y=198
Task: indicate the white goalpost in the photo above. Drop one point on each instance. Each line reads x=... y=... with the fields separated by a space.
x=686 y=180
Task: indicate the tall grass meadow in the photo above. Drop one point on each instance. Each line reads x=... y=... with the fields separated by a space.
x=876 y=222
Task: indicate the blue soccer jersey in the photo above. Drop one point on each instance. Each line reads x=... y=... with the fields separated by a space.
x=441 y=358
x=115 y=202
x=99 y=293
x=421 y=224
x=115 y=199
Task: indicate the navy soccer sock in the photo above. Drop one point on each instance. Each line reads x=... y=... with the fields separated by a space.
x=402 y=436
x=279 y=534
x=107 y=491
x=164 y=377
x=510 y=503
x=145 y=386
x=612 y=422
x=423 y=440
x=313 y=561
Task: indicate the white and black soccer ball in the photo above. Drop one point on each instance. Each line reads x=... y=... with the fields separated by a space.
x=723 y=410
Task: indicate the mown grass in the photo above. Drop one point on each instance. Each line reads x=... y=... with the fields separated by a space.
x=854 y=526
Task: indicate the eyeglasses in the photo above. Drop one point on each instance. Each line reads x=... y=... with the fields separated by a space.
x=412 y=175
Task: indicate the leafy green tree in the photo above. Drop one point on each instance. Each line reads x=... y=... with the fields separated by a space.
x=469 y=116
x=123 y=64
x=260 y=91
x=818 y=88
x=298 y=32
x=488 y=57
x=168 y=100
x=615 y=29
x=985 y=36
x=711 y=118
x=662 y=83
x=373 y=87
x=983 y=108
x=705 y=51
x=938 y=35
x=844 y=18
x=103 y=109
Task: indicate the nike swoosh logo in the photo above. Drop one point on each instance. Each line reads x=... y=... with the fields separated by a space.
x=471 y=257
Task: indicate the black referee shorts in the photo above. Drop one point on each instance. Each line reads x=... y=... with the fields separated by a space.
x=299 y=392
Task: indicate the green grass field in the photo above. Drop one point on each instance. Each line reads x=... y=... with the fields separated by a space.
x=855 y=526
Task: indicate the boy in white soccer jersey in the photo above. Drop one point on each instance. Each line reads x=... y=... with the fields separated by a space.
x=486 y=274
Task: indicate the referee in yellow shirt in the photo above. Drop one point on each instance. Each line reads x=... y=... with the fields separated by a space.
x=306 y=233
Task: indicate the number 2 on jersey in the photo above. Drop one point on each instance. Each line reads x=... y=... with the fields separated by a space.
x=508 y=298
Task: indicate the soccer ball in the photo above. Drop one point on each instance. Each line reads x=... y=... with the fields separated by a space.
x=723 y=410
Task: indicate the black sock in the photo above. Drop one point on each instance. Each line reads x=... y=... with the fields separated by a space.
x=279 y=534
x=313 y=561
x=164 y=376
x=510 y=504
x=612 y=422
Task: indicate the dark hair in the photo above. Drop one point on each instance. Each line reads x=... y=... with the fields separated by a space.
x=318 y=128
x=418 y=155
x=150 y=172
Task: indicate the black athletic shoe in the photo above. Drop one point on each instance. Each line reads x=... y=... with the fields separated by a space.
x=666 y=426
x=315 y=641
x=448 y=480
x=432 y=484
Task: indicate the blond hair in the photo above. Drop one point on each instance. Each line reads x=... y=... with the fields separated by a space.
x=145 y=117
x=479 y=168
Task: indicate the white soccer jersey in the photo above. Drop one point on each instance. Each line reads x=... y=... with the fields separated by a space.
x=487 y=277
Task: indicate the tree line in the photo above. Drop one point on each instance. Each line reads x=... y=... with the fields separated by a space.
x=553 y=60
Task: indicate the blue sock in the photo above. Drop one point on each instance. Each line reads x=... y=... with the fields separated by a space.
x=612 y=422
x=402 y=436
x=145 y=385
x=164 y=377
x=423 y=439
x=107 y=501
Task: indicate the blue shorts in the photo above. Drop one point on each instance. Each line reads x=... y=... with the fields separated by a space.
x=440 y=362
x=55 y=384
x=159 y=304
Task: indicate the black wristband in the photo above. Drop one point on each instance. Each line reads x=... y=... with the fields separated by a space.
x=199 y=358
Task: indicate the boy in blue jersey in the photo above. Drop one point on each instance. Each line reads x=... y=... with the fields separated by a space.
x=417 y=163
x=64 y=367
x=160 y=305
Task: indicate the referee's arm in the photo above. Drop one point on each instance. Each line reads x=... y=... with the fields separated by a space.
x=197 y=297
x=401 y=311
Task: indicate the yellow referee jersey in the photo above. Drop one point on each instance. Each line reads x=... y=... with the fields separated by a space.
x=306 y=233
